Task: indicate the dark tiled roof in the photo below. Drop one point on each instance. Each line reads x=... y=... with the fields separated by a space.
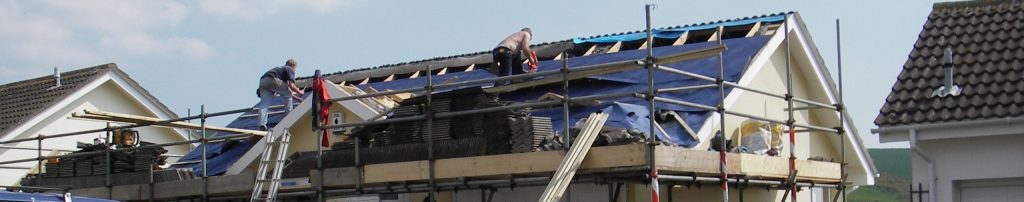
x=22 y=100
x=987 y=41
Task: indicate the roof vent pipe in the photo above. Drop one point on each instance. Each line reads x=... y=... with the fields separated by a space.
x=948 y=87
x=56 y=77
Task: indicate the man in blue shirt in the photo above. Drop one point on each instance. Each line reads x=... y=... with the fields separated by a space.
x=280 y=81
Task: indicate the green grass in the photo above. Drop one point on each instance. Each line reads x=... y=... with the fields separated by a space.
x=892 y=161
x=894 y=166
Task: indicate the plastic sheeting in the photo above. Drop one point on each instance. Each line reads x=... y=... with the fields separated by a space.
x=41 y=197
x=736 y=58
x=676 y=32
x=629 y=113
x=221 y=155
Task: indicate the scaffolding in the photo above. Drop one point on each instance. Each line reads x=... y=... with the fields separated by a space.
x=615 y=178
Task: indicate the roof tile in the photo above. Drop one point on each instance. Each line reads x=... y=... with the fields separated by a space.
x=986 y=38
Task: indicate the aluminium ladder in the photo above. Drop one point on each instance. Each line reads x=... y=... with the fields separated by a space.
x=281 y=143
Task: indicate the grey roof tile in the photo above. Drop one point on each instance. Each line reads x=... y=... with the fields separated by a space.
x=985 y=37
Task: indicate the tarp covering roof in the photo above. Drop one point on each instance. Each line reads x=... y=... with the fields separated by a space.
x=736 y=57
x=627 y=113
x=221 y=155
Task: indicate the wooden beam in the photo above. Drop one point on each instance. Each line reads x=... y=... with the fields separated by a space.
x=599 y=158
x=470 y=68
x=615 y=47
x=365 y=81
x=392 y=77
x=415 y=74
x=444 y=70
x=127 y=118
x=679 y=119
x=643 y=46
x=682 y=39
x=559 y=56
x=714 y=36
x=590 y=50
x=754 y=29
x=342 y=83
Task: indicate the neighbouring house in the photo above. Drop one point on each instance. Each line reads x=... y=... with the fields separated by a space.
x=959 y=101
x=43 y=106
x=756 y=57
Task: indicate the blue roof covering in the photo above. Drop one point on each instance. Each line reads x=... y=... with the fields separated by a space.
x=625 y=112
x=221 y=155
x=43 y=197
x=676 y=32
x=628 y=112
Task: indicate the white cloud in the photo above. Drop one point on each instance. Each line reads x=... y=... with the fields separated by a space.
x=80 y=33
x=256 y=9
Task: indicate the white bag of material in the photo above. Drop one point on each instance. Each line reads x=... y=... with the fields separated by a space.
x=757 y=137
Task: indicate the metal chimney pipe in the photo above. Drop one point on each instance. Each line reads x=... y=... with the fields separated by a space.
x=56 y=77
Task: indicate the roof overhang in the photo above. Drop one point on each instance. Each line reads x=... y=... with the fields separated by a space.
x=949 y=130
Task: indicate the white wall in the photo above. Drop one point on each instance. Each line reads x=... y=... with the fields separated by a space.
x=107 y=97
x=989 y=157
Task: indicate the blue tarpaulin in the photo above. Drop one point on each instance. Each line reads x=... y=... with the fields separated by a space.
x=627 y=113
x=676 y=32
x=221 y=155
x=736 y=57
x=43 y=197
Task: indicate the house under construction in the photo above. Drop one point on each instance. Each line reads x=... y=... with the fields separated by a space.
x=660 y=114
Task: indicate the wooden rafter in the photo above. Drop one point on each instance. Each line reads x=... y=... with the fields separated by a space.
x=471 y=67
x=443 y=71
x=714 y=36
x=615 y=47
x=590 y=50
x=754 y=29
x=415 y=74
x=392 y=77
x=127 y=118
x=682 y=39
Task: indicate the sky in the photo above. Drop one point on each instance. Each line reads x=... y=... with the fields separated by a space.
x=193 y=53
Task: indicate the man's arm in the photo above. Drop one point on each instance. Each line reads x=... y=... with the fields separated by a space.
x=525 y=43
x=296 y=92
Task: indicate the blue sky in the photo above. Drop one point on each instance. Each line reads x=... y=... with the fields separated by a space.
x=192 y=53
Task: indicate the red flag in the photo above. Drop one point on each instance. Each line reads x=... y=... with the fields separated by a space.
x=325 y=109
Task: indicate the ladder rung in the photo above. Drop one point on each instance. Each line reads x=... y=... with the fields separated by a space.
x=274 y=161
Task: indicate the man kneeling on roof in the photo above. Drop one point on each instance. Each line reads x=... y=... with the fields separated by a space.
x=508 y=54
x=280 y=81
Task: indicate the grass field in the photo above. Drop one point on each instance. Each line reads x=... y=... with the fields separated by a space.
x=894 y=166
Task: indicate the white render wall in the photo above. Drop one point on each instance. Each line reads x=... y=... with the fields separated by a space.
x=107 y=97
x=974 y=158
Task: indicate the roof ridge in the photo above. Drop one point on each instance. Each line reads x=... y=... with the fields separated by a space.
x=973 y=3
x=93 y=68
x=535 y=45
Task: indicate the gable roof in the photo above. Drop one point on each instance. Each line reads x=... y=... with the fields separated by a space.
x=21 y=101
x=987 y=40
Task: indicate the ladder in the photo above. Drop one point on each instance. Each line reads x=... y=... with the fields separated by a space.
x=567 y=169
x=281 y=143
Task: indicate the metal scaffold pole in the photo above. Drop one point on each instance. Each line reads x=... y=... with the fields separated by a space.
x=202 y=134
x=651 y=138
x=841 y=110
x=790 y=122
x=106 y=152
x=429 y=112
x=723 y=164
